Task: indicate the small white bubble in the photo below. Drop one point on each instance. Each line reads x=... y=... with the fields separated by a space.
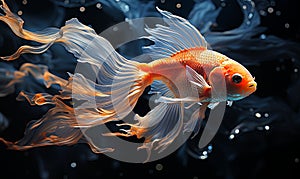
x=178 y=5
x=98 y=5
x=267 y=128
x=270 y=10
x=73 y=164
x=82 y=9
x=244 y=7
x=231 y=137
x=162 y=1
x=24 y=2
x=263 y=36
x=209 y=148
x=278 y=13
x=223 y=4
x=287 y=25
x=296 y=70
x=236 y=131
x=159 y=167
x=202 y=157
x=258 y=115
x=250 y=15
x=126 y=8
x=20 y=12
x=66 y=2
x=204 y=152
x=262 y=12
x=273 y=3
x=248 y=22
x=277 y=68
x=266 y=114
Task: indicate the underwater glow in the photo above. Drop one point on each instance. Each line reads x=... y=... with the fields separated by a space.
x=179 y=50
x=267 y=120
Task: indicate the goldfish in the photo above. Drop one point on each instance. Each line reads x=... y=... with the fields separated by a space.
x=184 y=72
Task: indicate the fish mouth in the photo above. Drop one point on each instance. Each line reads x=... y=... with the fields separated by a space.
x=252 y=85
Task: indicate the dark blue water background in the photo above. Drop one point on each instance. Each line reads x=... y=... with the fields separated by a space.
x=259 y=136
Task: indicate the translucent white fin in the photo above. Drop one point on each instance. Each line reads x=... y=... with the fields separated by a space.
x=158 y=87
x=161 y=125
x=194 y=123
x=218 y=84
x=164 y=99
x=196 y=80
x=180 y=34
x=110 y=96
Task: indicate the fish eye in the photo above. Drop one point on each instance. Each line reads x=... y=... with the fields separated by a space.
x=237 y=78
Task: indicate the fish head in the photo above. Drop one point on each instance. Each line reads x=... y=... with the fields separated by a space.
x=239 y=82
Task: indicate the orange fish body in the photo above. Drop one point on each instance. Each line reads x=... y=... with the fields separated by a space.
x=203 y=62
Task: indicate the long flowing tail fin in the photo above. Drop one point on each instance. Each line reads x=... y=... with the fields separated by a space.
x=108 y=96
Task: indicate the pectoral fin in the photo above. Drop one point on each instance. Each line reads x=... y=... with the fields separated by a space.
x=196 y=80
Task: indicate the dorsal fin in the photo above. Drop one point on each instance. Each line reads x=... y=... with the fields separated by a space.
x=188 y=50
x=179 y=35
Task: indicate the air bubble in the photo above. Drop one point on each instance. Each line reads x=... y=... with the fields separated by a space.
x=272 y=3
x=223 y=4
x=287 y=25
x=262 y=13
x=250 y=15
x=296 y=70
x=270 y=10
x=82 y=9
x=209 y=148
x=263 y=36
x=278 y=13
x=20 y=12
x=258 y=115
x=73 y=164
x=202 y=157
x=98 y=5
x=277 y=68
x=159 y=167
